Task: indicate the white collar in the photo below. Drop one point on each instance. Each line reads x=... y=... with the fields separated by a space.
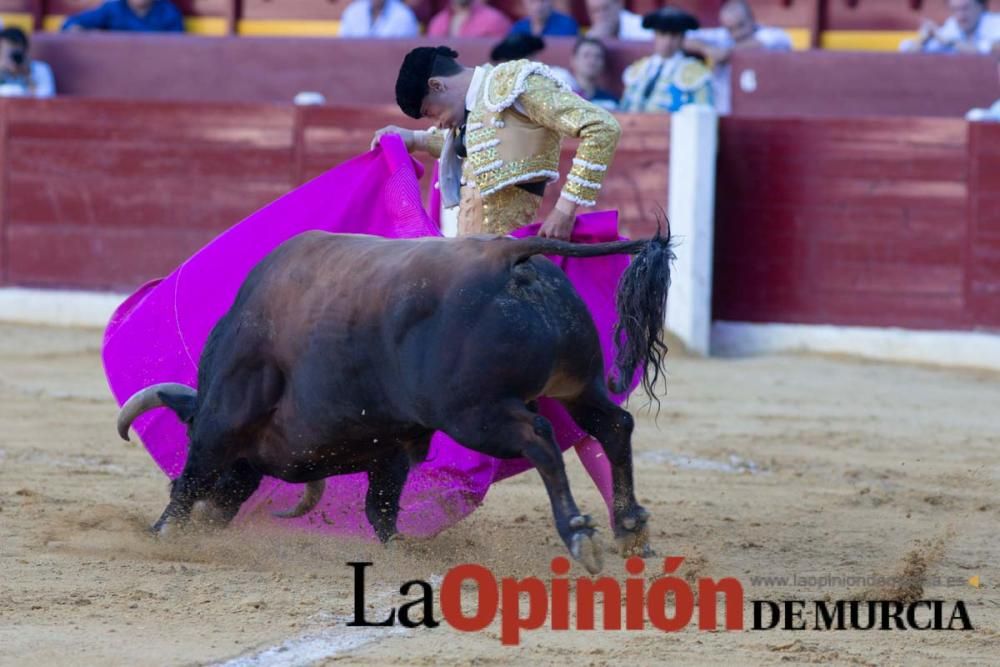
x=474 y=86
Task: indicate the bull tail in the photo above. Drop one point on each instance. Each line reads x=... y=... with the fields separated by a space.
x=525 y=248
x=641 y=299
x=642 y=306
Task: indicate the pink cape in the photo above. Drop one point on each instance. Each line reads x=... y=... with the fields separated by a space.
x=158 y=333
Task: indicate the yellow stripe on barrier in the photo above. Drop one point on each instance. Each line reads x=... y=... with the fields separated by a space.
x=800 y=38
x=53 y=22
x=864 y=40
x=205 y=25
x=284 y=28
x=18 y=20
x=196 y=25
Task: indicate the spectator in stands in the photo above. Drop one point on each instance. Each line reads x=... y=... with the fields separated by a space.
x=969 y=29
x=516 y=47
x=589 y=58
x=738 y=31
x=469 y=18
x=20 y=76
x=129 y=15
x=610 y=20
x=668 y=79
x=378 y=18
x=542 y=19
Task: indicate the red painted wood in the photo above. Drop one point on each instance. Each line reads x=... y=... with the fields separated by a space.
x=106 y=195
x=837 y=84
x=16 y=6
x=853 y=222
x=983 y=251
x=248 y=69
x=882 y=14
x=109 y=194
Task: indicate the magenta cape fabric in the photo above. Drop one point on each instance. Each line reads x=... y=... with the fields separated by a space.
x=158 y=333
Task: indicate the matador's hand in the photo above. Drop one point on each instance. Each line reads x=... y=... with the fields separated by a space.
x=407 y=136
x=559 y=223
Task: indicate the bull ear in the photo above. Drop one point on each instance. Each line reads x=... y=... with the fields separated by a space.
x=184 y=406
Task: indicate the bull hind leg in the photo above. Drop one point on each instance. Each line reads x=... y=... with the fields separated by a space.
x=612 y=426
x=386 y=479
x=509 y=430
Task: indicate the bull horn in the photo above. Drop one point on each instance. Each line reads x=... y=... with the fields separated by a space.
x=309 y=500
x=147 y=399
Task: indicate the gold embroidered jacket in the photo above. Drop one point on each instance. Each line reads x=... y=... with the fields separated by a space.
x=513 y=135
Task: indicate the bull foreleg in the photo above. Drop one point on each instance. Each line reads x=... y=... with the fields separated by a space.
x=612 y=427
x=201 y=473
x=386 y=479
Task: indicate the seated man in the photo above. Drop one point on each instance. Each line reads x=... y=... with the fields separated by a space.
x=738 y=31
x=543 y=20
x=129 y=15
x=668 y=79
x=20 y=76
x=378 y=18
x=589 y=58
x=610 y=20
x=469 y=18
x=969 y=29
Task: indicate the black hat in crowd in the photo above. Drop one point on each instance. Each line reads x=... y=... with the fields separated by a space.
x=515 y=47
x=669 y=20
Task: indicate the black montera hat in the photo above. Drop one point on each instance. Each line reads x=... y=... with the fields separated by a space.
x=668 y=19
x=417 y=68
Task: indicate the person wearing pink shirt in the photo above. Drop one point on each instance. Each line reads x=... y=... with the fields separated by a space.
x=469 y=18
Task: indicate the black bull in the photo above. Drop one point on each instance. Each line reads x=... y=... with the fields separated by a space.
x=345 y=353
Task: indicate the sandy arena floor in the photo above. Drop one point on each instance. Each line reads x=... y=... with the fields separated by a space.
x=795 y=465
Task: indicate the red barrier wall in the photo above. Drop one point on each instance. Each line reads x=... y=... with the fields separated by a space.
x=109 y=194
x=836 y=84
x=274 y=69
x=858 y=222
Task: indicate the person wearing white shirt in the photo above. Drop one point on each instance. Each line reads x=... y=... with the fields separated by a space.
x=378 y=18
x=738 y=31
x=610 y=20
x=969 y=29
x=991 y=115
x=20 y=76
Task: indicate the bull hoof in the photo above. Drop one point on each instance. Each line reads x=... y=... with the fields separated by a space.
x=206 y=514
x=165 y=529
x=584 y=549
x=633 y=535
x=635 y=544
x=395 y=540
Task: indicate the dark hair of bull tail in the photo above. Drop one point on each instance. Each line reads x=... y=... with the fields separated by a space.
x=642 y=305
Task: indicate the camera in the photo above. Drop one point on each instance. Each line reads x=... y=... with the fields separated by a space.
x=17 y=56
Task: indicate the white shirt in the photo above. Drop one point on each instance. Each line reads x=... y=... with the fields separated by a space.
x=41 y=75
x=772 y=39
x=991 y=115
x=395 y=20
x=986 y=34
x=630 y=27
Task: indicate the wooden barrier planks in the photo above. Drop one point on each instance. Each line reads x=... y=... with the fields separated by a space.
x=106 y=195
x=842 y=221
